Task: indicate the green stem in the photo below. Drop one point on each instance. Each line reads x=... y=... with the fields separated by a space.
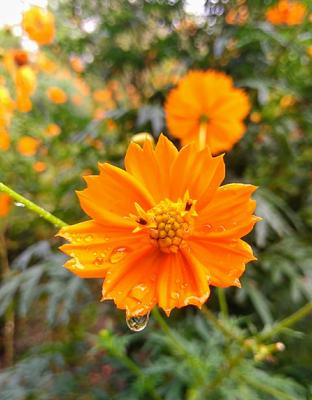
x=222 y=302
x=286 y=323
x=168 y=332
x=32 y=206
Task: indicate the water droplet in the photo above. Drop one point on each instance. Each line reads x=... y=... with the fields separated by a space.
x=175 y=295
x=19 y=204
x=98 y=261
x=117 y=254
x=137 y=324
x=139 y=291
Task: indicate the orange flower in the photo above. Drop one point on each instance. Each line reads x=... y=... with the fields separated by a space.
x=286 y=12
x=206 y=107
x=309 y=51
x=56 y=95
x=39 y=166
x=162 y=231
x=4 y=140
x=7 y=106
x=39 y=25
x=237 y=16
x=76 y=64
x=27 y=146
x=5 y=204
x=52 y=130
x=26 y=82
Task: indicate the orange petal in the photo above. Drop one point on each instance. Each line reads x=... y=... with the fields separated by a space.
x=110 y=196
x=198 y=172
x=224 y=262
x=229 y=213
x=93 y=247
x=180 y=282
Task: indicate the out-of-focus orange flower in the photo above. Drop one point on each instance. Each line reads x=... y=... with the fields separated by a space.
x=237 y=16
x=20 y=57
x=111 y=125
x=162 y=233
x=206 y=107
x=39 y=24
x=255 y=117
x=5 y=204
x=76 y=64
x=286 y=12
x=309 y=51
x=102 y=95
x=52 y=130
x=26 y=82
x=7 y=107
x=4 y=139
x=39 y=166
x=56 y=95
x=287 y=101
x=27 y=146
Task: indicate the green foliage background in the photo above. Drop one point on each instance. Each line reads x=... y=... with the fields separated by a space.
x=67 y=345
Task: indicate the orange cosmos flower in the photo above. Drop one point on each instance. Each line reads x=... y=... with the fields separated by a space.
x=206 y=107
x=52 y=130
x=27 y=146
x=4 y=139
x=7 y=106
x=56 y=95
x=162 y=231
x=5 y=204
x=286 y=12
x=39 y=166
x=26 y=82
x=39 y=24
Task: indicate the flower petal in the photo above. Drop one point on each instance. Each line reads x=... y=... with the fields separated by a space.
x=110 y=197
x=93 y=246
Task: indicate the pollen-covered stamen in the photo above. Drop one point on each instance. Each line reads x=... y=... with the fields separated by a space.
x=168 y=223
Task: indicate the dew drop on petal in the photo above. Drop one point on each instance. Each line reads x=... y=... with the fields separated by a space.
x=89 y=238
x=137 y=324
x=117 y=254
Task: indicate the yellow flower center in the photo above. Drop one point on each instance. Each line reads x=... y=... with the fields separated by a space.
x=168 y=223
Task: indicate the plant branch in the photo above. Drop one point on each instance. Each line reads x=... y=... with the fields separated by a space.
x=32 y=206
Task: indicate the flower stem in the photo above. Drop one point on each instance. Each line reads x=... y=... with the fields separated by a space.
x=32 y=206
x=286 y=322
x=222 y=302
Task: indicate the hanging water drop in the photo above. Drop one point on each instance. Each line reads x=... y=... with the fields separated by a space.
x=137 y=324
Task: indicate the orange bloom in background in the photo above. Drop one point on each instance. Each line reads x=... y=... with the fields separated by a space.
x=237 y=16
x=76 y=64
x=39 y=166
x=286 y=12
x=56 y=95
x=52 y=130
x=5 y=204
x=27 y=146
x=162 y=231
x=309 y=51
x=206 y=107
x=4 y=139
x=7 y=107
x=26 y=82
x=39 y=24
